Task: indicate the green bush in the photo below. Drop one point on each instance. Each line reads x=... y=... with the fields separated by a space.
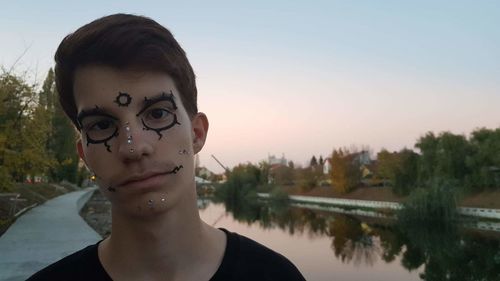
x=437 y=203
x=6 y=182
x=278 y=197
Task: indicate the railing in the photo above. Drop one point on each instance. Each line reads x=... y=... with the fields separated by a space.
x=480 y=212
x=476 y=212
x=342 y=202
x=339 y=210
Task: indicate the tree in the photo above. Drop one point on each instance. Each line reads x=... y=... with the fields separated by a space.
x=20 y=130
x=427 y=145
x=265 y=169
x=346 y=173
x=36 y=138
x=484 y=159
x=451 y=154
x=386 y=166
x=283 y=175
x=400 y=169
x=36 y=160
x=308 y=179
x=47 y=97
x=313 y=162
x=406 y=173
x=62 y=141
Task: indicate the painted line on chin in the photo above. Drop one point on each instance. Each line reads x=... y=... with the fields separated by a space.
x=175 y=169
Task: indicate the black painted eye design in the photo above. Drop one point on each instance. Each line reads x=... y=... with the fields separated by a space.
x=156 y=118
x=158 y=114
x=99 y=129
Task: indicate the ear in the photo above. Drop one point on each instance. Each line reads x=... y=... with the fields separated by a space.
x=79 y=148
x=199 y=124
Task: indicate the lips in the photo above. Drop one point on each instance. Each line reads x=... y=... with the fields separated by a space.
x=148 y=178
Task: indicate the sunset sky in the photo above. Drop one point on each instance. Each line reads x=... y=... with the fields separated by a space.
x=301 y=78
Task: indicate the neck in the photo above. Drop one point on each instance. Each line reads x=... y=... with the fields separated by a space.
x=165 y=244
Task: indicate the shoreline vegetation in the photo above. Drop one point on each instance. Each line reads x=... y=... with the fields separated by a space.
x=446 y=171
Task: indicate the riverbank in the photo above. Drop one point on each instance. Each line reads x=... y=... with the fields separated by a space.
x=97 y=211
x=24 y=196
x=485 y=199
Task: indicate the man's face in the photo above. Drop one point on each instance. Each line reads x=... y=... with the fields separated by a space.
x=137 y=137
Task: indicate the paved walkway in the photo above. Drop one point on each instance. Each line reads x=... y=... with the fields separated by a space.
x=44 y=235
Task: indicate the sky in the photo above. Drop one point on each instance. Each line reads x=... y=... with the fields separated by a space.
x=301 y=78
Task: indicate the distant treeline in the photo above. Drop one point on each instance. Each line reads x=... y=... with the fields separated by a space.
x=472 y=164
x=37 y=142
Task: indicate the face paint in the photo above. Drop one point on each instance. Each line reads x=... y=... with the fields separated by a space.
x=89 y=141
x=98 y=126
x=158 y=113
x=176 y=169
x=123 y=99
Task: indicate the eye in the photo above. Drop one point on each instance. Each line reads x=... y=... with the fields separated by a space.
x=158 y=117
x=158 y=113
x=101 y=125
x=99 y=128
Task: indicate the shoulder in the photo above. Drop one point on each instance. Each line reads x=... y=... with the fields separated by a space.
x=76 y=266
x=246 y=259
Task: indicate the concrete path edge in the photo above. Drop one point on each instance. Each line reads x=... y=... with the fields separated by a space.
x=44 y=235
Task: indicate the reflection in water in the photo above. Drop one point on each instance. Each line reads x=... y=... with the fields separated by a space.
x=353 y=242
x=433 y=252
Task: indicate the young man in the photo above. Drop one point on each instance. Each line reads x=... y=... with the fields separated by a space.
x=128 y=87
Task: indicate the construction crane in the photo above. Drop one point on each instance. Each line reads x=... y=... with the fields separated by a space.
x=223 y=167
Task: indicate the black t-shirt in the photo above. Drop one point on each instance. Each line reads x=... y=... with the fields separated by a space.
x=244 y=259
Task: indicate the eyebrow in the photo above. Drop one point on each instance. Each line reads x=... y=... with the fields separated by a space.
x=92 y=112
x=147 y=102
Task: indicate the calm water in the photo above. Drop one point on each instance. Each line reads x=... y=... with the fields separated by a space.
x=331 y=246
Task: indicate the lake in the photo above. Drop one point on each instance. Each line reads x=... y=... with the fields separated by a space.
x=333 y=246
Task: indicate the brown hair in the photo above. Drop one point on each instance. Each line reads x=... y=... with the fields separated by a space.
x=126 y=42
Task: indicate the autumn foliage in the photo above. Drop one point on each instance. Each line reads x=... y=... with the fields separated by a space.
x=346 y=172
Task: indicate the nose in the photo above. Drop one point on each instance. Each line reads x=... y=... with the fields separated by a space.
x=133 y=144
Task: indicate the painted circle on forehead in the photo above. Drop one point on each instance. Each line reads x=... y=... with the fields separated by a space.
x=123 y=99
